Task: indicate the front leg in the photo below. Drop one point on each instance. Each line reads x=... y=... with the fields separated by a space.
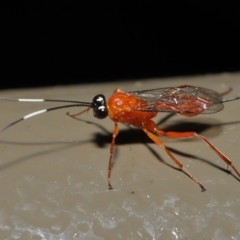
x=114 y=135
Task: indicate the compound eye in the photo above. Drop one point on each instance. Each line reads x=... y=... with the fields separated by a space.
x=99 y=107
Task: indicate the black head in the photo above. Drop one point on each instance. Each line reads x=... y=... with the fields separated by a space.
x=99 y=107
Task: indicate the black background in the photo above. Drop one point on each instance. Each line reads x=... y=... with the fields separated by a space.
x=54 y=42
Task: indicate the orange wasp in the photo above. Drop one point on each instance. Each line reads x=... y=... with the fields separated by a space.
x=137 y=108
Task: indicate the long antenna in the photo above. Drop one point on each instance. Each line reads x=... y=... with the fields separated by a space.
x=98 y=105
x=42 y=100
x=77 y=104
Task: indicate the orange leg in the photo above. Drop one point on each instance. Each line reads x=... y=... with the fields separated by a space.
x=74 y=115
x=151 y=126
x=194 y=134
x=114 y=135
x=180 y=165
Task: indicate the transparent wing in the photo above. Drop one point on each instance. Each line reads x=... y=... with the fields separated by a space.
x=186 y=100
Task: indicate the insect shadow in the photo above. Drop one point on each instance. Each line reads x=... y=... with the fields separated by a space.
x=63 y=146
x=131 y=136
x=135 y=135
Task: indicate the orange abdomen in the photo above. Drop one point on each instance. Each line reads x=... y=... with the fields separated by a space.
x=121 y=109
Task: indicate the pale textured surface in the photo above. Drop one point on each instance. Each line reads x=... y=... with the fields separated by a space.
x=53 y=171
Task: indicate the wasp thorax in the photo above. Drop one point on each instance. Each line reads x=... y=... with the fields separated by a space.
x=99 y=107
